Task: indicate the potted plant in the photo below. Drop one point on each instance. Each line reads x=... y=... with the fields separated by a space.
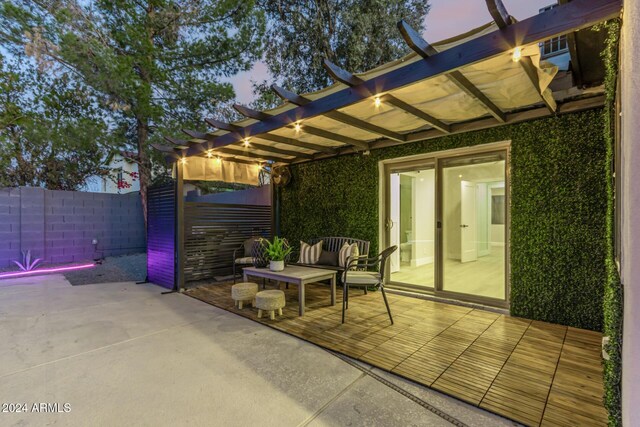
x=277 y=252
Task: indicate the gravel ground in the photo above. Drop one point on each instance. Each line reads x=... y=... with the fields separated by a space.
x=125 y=268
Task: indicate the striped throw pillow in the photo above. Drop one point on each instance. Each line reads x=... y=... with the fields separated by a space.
x=346 y=251
x=310 y=254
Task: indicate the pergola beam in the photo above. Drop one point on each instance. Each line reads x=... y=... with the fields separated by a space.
x=424 y=49
x=576 y=68
x=269 y=137
x=233 y=150
x=260 y=115
x=499 y=13
x=349 y=79
x=574 y=16
x=294 y=142
x=502 y=18
x=268 y=148
x=339 y=116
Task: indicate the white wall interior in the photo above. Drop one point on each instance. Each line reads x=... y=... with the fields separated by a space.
x=630 y=201
x=423 y=217
x=489 y=180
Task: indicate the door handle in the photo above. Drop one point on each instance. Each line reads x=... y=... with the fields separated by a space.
x=464 y=226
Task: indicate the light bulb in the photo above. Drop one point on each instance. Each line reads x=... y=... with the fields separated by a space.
x=218 y=160
x=246 y=142
x=517 y=54
x=183 y=160
x=297 y=127
x=209 y=153
x=377 y=101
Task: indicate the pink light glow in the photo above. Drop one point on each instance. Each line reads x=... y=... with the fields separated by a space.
x=45 y=270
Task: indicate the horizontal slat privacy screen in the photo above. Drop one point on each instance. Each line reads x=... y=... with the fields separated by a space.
x=161 y=215
x=212 y=231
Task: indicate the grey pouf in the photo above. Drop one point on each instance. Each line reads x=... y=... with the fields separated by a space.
x=270 y=301
x=245 y=291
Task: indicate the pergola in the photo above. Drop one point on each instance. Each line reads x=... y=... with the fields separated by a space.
x=488 y=77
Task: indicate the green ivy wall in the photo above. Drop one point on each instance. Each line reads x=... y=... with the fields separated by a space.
x=558 y=209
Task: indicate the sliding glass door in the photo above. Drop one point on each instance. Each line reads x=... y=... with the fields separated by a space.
x=473 y=229
x=411 y=225
x=448 y=217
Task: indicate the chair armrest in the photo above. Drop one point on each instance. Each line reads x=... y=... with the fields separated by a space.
x=361 y=262
x=235 y=251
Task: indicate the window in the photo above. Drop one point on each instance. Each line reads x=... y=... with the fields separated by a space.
x=555 y=45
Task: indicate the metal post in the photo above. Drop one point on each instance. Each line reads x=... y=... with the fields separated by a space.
x=276 y=215
x=179 y=270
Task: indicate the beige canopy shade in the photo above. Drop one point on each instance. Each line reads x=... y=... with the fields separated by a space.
x=205 y=169
x=392 y=104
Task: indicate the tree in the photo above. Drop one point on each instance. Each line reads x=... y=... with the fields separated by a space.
x=156 y=63
x=357 y=35
x=51 y=133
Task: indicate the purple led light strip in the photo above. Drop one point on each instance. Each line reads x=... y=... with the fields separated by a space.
x=45 y=270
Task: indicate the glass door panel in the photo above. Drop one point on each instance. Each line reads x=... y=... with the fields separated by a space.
x=473 y=225
x=411 y=226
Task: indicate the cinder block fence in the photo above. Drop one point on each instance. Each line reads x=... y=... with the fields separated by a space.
x=59 y=226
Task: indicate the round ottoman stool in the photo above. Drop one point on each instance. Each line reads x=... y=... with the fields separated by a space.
x=270 y=301
x=245 y=291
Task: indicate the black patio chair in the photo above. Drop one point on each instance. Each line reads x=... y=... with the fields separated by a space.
x=244 y=255
x=356 y=276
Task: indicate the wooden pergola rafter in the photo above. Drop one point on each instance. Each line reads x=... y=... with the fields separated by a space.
x=261 y=115
x=424 y=49
x=339 y=116
x=567 y=18
x=502 y=18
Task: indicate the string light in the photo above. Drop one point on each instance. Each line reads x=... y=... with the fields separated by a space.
x=297 y=127
x=377 y=102
x=517 y=54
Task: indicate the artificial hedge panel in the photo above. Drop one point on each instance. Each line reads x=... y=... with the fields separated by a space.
x=613 y=294
x=558 y=209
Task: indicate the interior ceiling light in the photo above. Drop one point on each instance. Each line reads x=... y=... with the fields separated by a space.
x=377 y=102
x=297 y=127
x=246 y=142
x=183 y=160
x=517 y=54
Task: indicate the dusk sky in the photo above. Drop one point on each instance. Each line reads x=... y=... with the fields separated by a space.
x=447 y=18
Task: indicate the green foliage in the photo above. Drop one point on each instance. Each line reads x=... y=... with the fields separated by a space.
x=276 y=250
x=157 y=65
x=558 y=207
x=358 y=35
x=51 y=133
x=27 y=263
x=613 y=297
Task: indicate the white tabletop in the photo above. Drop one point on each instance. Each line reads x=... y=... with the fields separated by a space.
x=292 y=271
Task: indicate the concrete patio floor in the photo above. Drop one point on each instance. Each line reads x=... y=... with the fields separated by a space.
x=123 y=354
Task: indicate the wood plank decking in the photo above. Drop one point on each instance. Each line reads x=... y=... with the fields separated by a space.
x=532 y=372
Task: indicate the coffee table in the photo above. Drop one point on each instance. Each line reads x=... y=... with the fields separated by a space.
x=297 y=275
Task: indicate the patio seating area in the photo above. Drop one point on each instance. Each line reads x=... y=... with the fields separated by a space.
x=532 y=372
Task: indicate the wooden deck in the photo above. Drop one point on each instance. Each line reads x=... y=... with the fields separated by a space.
x=532 y=372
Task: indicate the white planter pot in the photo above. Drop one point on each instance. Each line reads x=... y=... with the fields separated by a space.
x=276 y=265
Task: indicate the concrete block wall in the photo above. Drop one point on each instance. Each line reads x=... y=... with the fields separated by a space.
x=59 y=226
